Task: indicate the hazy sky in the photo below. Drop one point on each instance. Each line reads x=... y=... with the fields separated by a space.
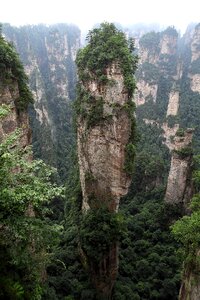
x=88 y=12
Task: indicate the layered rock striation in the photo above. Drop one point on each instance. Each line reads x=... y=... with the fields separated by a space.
x=102 y=146
x=15 y=119
x=48 y=54
x=179 y=185
x=105 y=139
x=14 y=95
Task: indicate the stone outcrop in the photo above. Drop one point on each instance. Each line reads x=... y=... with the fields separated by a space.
x=105 y=137
x=150 y=56
x=157 y=56
x=168 y=44
x=9 y=94
x=101 y=148
x=179 y=185
x=195 y=82
x=173 y=104
x=190 y=287
x=194 y=74
x=195 y=44
x=169 y=134
x=144 y=92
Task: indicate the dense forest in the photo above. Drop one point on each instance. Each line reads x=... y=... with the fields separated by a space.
x=44 y=234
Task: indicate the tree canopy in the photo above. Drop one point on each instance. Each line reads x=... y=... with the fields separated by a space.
x=107 y=45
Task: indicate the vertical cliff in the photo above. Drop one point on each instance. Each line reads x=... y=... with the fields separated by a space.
x=102 y=141
x=158 y=78
x=48 y=54
x=105 y=139
x=168 y=98
x=190 y=288
x=179 y=186
x=14 y=95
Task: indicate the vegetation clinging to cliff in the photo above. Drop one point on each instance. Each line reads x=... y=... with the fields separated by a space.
x=106 y=45
x=11 y=70
x=150 y=40
x=26 y=229
x=187 y=229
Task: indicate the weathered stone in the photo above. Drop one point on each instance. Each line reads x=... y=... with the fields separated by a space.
x=145 y=90
x=195 y=44
x=173 y=104
x=168 y=44
x=190 y=287
x=179 y=185
x=150 y=56
x=169 y=134
x=15 y=119
x=195 y=82
x=101 y=155
x=101 y=148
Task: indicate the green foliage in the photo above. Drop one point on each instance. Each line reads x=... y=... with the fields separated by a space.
x=25 y=231
x=148 y=267
x=180 y=132
x=171 y=31
x=195 y=66
x=168 y=64
x=99 y=229
x=149 y=171
x=130 y=151
x=12 y=69
x=189 y=110
x=184 y=152
x=95 y=114
x=150 y=40
x=88 y=107
x=148 y=72
x=4 y=110
x=172 y=120
x=51 y=143
x=187 y=229
x=107 y=45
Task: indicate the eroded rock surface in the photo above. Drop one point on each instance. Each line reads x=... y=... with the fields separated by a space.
x=179 y=189
x=101 y=148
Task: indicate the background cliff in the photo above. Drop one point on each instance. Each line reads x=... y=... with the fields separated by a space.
x=48 y=54
x=167 y=98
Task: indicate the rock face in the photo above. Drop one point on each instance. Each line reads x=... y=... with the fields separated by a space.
x=106 y=150
x=101 y=154
x=168 y=44
x=168 y=82
x=194 y=74
x=145 y=90
x=101 y=148
x=195 y=83
x=157 y=96
x=48 y=54
x=179 y=189
x=169 y=133
x=195 y=44
x=173 y=104
x=8 y=95
x=190 y=287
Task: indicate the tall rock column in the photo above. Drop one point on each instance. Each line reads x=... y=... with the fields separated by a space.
x=179 y=185
x=105 y=139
